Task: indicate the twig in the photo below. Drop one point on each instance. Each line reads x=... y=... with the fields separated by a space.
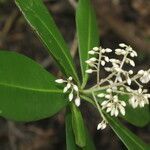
x=73 y=3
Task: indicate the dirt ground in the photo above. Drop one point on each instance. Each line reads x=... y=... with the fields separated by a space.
x=119 y=21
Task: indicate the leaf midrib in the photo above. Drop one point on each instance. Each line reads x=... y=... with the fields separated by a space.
x=31 y=89
x=50 y=33
x=126 y=134
x=88 y=46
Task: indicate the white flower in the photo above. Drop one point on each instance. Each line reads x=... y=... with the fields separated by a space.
x=102 y=125
x=114 y=106
x=145 y=76
x=139 y=98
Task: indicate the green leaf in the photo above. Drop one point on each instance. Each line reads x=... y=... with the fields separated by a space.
x=89 y=142
x=131 y=141
x=78 y=126
x=139 y=116
x=87 y=32
x=27 y=91
x=70 y=138
x=41 y=21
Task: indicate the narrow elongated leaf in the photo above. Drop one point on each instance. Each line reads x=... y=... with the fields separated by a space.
x=131 y=141
x=87 y=31
x=78 y=126
x=89 y=142
x=41 y=21
x=27 y=91
x=70 y=138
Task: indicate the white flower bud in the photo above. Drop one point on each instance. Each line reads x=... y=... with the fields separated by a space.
x=68 y=85
x=104 y=103
x=106 y=59
x=132 y=54
x=60 y=81
x=131 y=72
x=95 y=48
x=141 y=72
x=89 y=71
x=101 y=95
x=103 y=63
x=77 y=101
x=132 y=63
x=122 y=110
x=123 y=103
x=122 y=45
x=75 y=87
x=91 y=52
x=108 y=50
x=71 y=96
x=93 y=59
x=129 y=81
x=103 y=50
x=108 y=69
x=89 y=62
x=109 y=90
x=65 y=89
x=70 y=78
x=108 y=96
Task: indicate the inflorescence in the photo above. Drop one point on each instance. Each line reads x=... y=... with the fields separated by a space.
x=74 y=91
x=119 y=81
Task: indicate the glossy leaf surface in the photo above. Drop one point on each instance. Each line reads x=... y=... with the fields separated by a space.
x=131 y=141
x=42 y=23
x=27 y=91
x=87 y=32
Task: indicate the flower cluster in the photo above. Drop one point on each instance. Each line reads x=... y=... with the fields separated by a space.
x=119 y=80
x=102 y=125
x=70 y=86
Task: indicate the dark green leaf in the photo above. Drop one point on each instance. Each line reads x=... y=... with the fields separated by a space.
x=40 y=20
x=131 y=141
x=27 y=91
x=70 y=139
x=78 y=126
x=89 y=142
x=87 y=31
